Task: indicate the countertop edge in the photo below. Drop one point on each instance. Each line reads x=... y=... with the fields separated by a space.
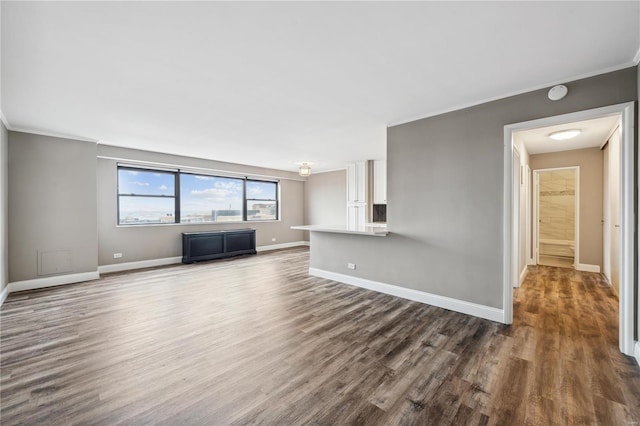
x=370 y=231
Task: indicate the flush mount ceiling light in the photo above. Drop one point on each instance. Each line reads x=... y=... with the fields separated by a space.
x=305 y=170
x=558 y=92
x=565 y=134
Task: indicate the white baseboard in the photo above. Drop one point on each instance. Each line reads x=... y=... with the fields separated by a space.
x=587 y=268
x=486 y=312
x=52 y=281
x=282 y=246
x=636 y=352
x=4 y=294
x=126 y=266
x=523 y=275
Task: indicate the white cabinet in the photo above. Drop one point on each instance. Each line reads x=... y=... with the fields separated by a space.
x=357 y=193
x=356 y=215
x=357 y=182
x=380 y=182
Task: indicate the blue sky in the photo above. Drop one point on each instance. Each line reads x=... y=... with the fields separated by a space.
x=201 y=194
x=143 y=182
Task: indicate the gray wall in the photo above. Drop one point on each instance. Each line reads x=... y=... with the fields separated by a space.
x=138 y=243
x=445 y=195
x=325 y=201
x=591 y=181
x=52 y=203
x=4 y=208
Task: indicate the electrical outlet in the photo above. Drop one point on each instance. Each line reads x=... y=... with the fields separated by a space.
x=351 y=265
x=117 y=255
x=273 y=239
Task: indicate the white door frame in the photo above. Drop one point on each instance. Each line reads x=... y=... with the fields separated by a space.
x=536 y=213
x=515 y=247
x=606 y=208
x=528 y=197
x=626 y=111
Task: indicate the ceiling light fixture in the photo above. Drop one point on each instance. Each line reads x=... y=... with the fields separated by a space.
x=305 y=170
x=558 y=92
x=565 y=134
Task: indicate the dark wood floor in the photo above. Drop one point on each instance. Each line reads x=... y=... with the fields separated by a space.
x=255 y=340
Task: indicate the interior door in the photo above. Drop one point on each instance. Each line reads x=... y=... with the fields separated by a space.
x=614 y=208
x=606 y=216
x=515 y=250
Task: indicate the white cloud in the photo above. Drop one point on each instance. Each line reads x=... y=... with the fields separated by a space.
x=253 y=191
x=140 y=183
x=163 y=187
x=231 y=185
x=213 y=193
x=198 y=177
x=132 y=172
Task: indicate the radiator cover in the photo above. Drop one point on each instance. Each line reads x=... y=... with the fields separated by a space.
x=197 y=246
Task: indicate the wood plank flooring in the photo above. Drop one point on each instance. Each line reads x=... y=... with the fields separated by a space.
x=255 y=340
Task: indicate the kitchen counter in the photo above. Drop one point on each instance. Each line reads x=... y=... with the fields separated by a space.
x=374 y=231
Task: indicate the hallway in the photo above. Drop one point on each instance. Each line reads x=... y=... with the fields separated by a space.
x=566 y=326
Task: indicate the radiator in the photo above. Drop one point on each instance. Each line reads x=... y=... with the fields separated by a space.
x=210 y=245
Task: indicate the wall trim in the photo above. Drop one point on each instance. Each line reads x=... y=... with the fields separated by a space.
x=319 y=172
x=469 y=308
x=140 y=264
x=281 y=246
x=587 y=268
x=4 y=121
x=4 y=294
x=523 y=274
x=509 y=94
x=126 y=266
x=52 y=281
x=195 y=169
x=52 y=134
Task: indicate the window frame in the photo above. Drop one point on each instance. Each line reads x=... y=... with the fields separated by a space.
x=177 y=195
x=276 y=199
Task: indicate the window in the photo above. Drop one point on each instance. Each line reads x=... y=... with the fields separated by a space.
x=146 y=196
x=262 y=200
x=157 y=197
x=210 y=199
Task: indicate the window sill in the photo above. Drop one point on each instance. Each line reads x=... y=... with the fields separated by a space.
x=144 y=225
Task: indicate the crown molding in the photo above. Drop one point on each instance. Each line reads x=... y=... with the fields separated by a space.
x=51 y=134
x=4 y=121
x=3 y=118
x=547 y=85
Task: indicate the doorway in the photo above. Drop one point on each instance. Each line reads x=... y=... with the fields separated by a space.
x=556 y=216
x=625 y=113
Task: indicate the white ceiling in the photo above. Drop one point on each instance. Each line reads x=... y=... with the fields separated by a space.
x=274 y=84
x=594 y=133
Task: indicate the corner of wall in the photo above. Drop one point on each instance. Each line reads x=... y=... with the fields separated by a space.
x=4 y=210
